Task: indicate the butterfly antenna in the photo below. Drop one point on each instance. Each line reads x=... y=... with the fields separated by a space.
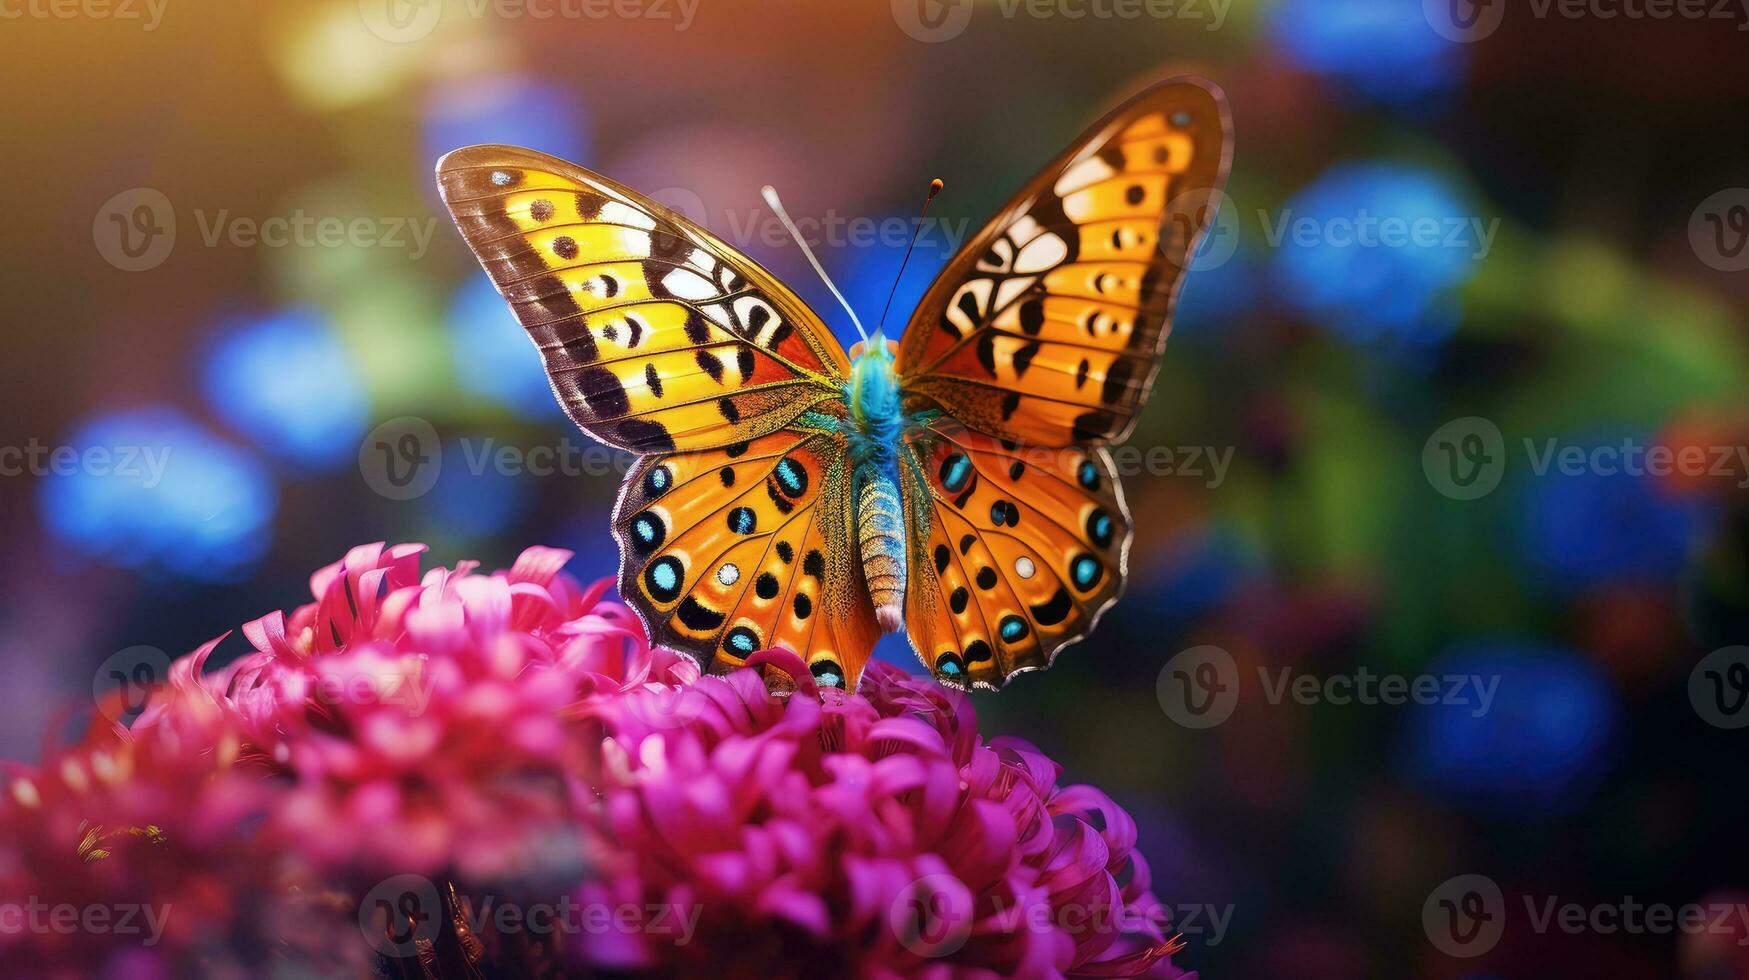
x=935 y=187
x=770 y=194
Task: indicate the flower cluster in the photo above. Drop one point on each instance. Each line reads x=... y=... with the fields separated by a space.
x=469 y=772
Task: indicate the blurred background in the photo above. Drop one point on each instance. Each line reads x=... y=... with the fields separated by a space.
x=234 y=311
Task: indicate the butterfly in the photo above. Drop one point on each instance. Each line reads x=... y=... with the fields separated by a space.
x=787 y=493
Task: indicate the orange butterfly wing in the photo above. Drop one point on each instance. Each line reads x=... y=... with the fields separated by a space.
x=656 y=335
x=663 y=340
x=1047 y=328
x=732 y=551
x=1037 y=346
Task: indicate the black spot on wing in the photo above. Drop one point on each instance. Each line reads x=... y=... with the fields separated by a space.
x=696 y=617
x=602 y=392
x=1053 y=610
x=645 y=436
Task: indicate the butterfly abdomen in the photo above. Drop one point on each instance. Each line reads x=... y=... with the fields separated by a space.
x=880 y=533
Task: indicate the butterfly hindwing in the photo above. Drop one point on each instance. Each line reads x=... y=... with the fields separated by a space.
x=1048 y=326
x=656 y=335
x=730 y=551
x=1014 y=554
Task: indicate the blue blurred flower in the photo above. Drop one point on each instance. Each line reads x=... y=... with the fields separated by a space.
x=1368 y=251
x=286 y=382
x=1384 y=50
x=476 y=495
x=1196 y=571
x=153 y=489
x=1540 y=745
x=516 y=110
x=1580 y=526
x=492 y=354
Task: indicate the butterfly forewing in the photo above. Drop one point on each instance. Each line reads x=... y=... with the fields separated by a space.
x=656 y=335
x=1046 y=329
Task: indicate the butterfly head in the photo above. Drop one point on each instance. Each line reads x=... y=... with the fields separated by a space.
x=874 y=386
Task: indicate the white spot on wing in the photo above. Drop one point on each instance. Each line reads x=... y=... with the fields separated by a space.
x=616 y=213
x=688 y=285
x=1043 y=252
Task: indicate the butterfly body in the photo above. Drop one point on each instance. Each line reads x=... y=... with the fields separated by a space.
x=788 y=494
x=872 y=429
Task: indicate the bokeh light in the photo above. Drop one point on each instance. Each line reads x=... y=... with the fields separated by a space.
x=493 y=357
x=1386 y=52
x=156 y=491
x=1538 y=745
x=512 y=109
x=1582 y=526
x=286 y=381
x=1372 y=250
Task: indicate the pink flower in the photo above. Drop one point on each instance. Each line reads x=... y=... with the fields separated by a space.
x=512 y=737
x=873 y=833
